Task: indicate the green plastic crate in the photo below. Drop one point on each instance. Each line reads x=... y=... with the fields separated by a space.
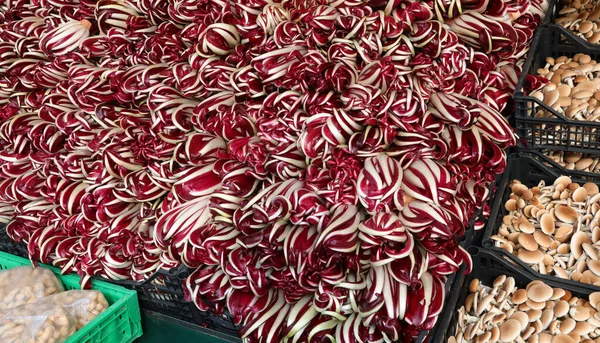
x=120 y=323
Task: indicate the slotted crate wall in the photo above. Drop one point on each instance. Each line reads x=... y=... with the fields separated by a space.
x=554 y=131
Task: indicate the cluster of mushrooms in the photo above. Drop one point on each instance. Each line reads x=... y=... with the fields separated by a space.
x=582 y=17
x=555 y=229
x=573 y=88
x=503 y=312
x=575 y=160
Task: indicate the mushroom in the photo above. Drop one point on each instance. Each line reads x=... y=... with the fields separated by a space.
x=566 y=214
x=509 y=330
x=579 y=313
x=577 y=243
x=594 y=299
x=579 y=195
x=528 y=242
x=530 y=256
x=540 y=292
x=591 y=188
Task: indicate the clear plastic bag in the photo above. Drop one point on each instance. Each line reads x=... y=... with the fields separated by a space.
x=83 y=306
x=36 y=323
x=23 y=285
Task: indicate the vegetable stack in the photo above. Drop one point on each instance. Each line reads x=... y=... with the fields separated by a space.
x=312 y=160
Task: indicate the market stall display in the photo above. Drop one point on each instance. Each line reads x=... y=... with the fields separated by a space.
x=581 y=18
x=503 y=312
x=107 y=313
x=554 y=228
x=312 y=164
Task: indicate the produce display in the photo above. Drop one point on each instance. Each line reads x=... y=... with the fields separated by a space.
x=575 y=160
x=503 y=312
x=573 y=88
x=34 y=308
x=36 y=323
x=22 y=285
x=312 y=161
x=554 y=228
x=582 y=18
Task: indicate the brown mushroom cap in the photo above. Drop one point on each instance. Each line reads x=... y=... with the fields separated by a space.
x=483 y=304
x=474 y=285
x=570 y=157
x=551 y=97
x=522 y=317
x=528 y=242
x=495 y=334
x=567 y=325
x=594 y=299
x=530 y=256
x=582 y=328
x=518 y=189
x=469 y=302
x=584 y=162
x=596 y=234
x=542 y=239
x=579 y=195
x=564 y=248
x=562 y=180
x=547 y=316
x=520 y=296
x=594 y=266
x=534 y=315
x=566 y=214
x=561 y=308
x=590 y=251
x=576 y=243
x=591 y=188
x=509 y=330
x=579 y=313
x=547 y=224
x=499 y=280
x=535 y=305
x=509 y=284
x=511 y=205
x=563 y=233
x=540 y=293
x=563 y=339
x=527 y=227
x=557 y=293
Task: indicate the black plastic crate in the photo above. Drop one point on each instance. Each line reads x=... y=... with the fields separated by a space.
x=163 y=293
x=566 y=36
x=555 y=132
x=9 y=246
x=487 y=266
x=530 y=170
x=474 y=236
